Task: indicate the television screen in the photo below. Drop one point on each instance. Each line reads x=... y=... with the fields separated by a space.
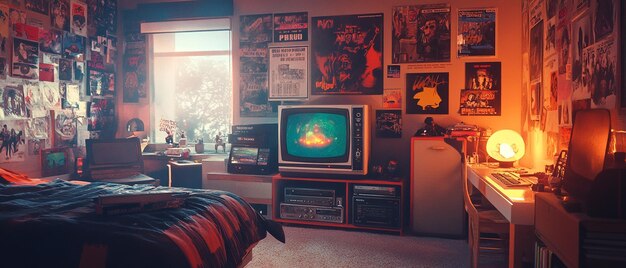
x=244 y=155
x=319 y=134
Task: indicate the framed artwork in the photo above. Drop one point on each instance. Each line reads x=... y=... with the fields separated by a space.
x=347 y=53
x=477 y=32
x=288 y=73
x=54 y=162
x=389 y=124
x=421 y=33
x=290 y=27
x=427 y=93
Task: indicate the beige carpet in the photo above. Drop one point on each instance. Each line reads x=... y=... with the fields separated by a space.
x=312 y=247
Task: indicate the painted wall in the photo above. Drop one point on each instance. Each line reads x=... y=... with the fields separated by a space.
x=508 y=53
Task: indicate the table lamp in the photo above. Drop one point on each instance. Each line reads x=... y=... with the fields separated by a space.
x=506 y=146
x=134 y=125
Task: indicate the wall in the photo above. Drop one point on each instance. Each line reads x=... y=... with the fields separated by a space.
x=508 y=53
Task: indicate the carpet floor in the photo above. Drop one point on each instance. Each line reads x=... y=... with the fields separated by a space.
x=312 y=247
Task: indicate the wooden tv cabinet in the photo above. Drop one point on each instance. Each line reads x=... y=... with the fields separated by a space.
x=344 y=190
x=577 y=239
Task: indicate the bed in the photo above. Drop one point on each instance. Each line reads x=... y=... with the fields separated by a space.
x=54 y=224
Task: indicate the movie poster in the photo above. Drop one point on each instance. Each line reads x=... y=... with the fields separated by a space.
x=392 y=98
x=4 y=29
x=604 y=74
x=60 y=14
x=13 y=105
x=65 y=128
x=421 y=33
x=50 y=41
x=388 y=124
x=427 y=93
x=290 y=27
x=581 y=38
x=13 y=141
x=477 y=32
x=135 y=70
x=39 y=6
x=289 y=73
x=347 y=55
x=73 y=46
x=79 y=18
x=483 y=75
x=536 y=51
x=605 y=15
x=255 y=35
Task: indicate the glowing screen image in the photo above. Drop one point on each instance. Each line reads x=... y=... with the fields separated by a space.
x=317 y=135
x=244 y=155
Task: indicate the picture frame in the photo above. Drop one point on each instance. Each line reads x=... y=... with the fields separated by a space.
x=288 y=73
x=54 y=161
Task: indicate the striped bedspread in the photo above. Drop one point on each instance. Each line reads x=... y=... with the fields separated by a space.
x=55 y=225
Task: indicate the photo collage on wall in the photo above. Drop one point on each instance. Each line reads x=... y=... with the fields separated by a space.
x=44 y=52
x=578 y=68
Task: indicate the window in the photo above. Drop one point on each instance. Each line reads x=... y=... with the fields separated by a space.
x=192 y=84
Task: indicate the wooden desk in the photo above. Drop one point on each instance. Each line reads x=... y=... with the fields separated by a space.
x=517 y=204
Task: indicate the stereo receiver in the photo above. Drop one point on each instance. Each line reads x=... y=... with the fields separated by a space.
x=311 y=213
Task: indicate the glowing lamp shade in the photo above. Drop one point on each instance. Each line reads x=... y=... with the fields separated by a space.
x=506 y=146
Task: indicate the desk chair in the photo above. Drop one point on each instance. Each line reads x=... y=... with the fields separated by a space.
x=116 y=161
x=488 y=230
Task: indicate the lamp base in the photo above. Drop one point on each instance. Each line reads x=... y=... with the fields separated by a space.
x=502 y=164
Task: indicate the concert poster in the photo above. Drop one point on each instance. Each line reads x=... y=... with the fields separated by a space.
x=388 y=123
x=290 y=27
x=483 y=75
x=427 y=93
x=79 y=18
x=288 y=73
x=13 y=148
x=255 y=33
x=347 y=54
x=421 y=33
x=480 y=102
x=477 y=31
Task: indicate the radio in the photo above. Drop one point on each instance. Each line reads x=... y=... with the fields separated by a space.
x=311 y=213
x=376 y=212
x=310 y=196
x=377 y=190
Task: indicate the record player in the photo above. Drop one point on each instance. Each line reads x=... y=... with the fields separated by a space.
x=463 y=130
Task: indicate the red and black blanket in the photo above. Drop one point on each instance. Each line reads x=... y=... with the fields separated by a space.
x=54 y=224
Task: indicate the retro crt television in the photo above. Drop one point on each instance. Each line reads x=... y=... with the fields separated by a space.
x=324 y=139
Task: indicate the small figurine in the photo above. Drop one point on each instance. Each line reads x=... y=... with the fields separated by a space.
x=169 y=139
x=430 y=129
x=219 y=142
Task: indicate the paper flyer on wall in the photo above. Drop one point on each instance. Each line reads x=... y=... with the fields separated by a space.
x=290 y=27
x=477 y=32
x=288 y=73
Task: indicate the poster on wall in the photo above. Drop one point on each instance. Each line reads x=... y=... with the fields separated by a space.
x=536 y=51
x=33 y=99
x=78 y=14
x=347 y=55
x=536 y=101
x=581 y=39
x=4 y=29
x=421 y=33
x=392 y=98
x=60 y=14
x=479 y=102
x=549 y=38
x=13 y=144
x=483 y=75
x=74 y=46
x=39 y=6
x=101 y=83
x=388 y=124
x=65 y=129
x=255 y=33
x=101 y=114
x=563 y=42
x=605 y=18
x=134 y=68
x=477 y=32
x=604 y=75
x=289 y=73
x=12 y=103
x=291 y=27
x=427 y=93
x=25 y=59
